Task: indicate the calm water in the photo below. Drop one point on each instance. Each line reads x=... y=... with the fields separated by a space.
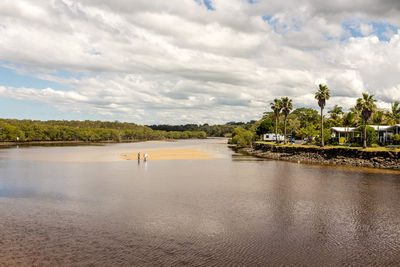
x=84 y=205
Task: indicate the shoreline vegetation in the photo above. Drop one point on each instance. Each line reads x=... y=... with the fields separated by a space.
x=20 y=132
x=370 y=158
x=307 y=135
x=24 y=132
x=310 y=127
x=72 y=143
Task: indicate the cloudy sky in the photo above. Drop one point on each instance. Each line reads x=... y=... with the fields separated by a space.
x=192 y=61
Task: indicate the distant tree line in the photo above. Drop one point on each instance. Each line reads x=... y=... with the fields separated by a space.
x=211 y=130
x=12 y=130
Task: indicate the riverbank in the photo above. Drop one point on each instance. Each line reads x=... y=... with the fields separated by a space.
x=328 y=156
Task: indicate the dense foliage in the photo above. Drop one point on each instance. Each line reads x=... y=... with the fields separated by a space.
x=210 y=130
x=265 y=126
x=306 y=123
x=371 y=135
x=301 y=122
x=396 y=139
x=93 y=131
x=242 y=137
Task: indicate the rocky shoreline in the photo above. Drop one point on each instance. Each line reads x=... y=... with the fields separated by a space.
x=329 y=156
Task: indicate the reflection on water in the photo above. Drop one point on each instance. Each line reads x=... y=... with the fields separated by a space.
x=230 y=210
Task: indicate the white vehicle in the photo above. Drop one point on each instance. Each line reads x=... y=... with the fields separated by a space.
x=272 y=137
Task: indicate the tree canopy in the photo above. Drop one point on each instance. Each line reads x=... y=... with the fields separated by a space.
x=85 y=131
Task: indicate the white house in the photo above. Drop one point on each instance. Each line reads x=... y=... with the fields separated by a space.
x=343 y=133
x=272 y=137
x=384 y=133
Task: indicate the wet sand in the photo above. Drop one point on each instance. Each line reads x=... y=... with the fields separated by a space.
x=170 y=154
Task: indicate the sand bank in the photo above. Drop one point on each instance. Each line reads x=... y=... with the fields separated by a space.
x=170 y=154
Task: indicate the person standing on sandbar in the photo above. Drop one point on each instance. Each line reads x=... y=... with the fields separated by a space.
x=138 y=156
x=145 y=156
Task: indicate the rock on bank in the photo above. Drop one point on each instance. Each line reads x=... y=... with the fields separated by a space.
x=331 y=156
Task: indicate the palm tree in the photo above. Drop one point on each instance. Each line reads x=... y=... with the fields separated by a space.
x=394 y=114
x=276 y=106
x=287 y=106
x=356 y=114
x=377 y=119
x=336 y=112
x=349 y=121
x=367 y=106
x=322 y=95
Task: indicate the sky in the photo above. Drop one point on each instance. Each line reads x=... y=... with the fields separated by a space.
x=192 y=61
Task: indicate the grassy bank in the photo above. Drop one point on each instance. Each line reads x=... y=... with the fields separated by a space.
x=331 y=146
x=329 y=155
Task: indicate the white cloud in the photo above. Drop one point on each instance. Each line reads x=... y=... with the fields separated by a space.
x=366 y=29
x=177 y=62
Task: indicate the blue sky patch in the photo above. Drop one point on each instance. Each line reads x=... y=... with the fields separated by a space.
x=352 y=28
x=382 y=30
x=26 y=109
x=279 y=27
x=10 y=77
x=267 y=18
x=357 y=29
x=271 y=21
x=23 y=109
x=207 y=3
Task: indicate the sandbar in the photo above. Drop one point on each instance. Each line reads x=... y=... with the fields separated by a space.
x=170 y=154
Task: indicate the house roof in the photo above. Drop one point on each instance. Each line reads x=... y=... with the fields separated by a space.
x=381 y=127
x=354 y=129
x=344 y=129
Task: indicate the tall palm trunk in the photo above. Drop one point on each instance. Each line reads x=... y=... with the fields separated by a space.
x=276 y=128
x=322 y=126
x=365 y=135
x=285 y=130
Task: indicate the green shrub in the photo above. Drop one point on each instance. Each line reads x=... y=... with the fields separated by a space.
x=242 y=137
x=266 y=126
x=371 y=135
x=396 y=139
x=10 y=132
x=335 y=143
x=308 y=132
x=327 y=137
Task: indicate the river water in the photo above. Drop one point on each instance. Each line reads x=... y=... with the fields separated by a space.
x=83 y=205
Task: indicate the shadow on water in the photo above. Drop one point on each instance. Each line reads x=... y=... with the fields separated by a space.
x=241 y=157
